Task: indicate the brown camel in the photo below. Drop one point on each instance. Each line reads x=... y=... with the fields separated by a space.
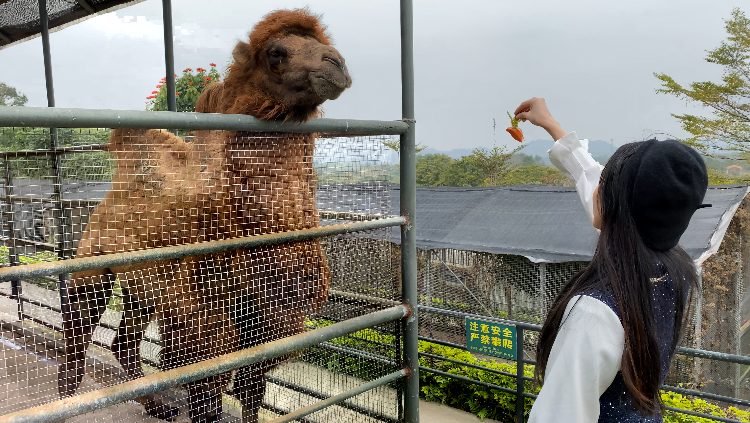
x=167 y=191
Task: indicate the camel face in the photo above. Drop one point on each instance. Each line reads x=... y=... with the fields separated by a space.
x=303 y=72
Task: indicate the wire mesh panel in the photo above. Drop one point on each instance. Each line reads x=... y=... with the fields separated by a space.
x=127 y=190
x=502 y=286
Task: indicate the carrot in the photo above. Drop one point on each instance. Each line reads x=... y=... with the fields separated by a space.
x=514 y=130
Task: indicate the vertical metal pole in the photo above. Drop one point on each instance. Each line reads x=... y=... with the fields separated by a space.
x=45 y=50
x=698 y=325
x=519 y=375
x=542 y=290
x=738 y=285
x=56 y=167
x=169 y=54
x=15 y=285
x=409 y=211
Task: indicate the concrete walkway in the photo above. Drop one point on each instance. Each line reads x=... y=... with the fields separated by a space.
x=430 y=412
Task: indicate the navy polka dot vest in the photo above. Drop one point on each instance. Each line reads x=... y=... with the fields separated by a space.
x=615 y=404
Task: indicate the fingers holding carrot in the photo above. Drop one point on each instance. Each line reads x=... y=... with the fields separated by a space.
x=535 y=111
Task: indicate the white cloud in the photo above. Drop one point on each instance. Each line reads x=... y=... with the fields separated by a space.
x=110 y=26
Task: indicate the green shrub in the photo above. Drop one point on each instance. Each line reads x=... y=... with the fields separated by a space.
x=698 y=405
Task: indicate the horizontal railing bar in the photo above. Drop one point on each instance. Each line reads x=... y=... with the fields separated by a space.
x=467 y=380
x=47 y=200
x=53 y=151
x=57 y=117
x=126 y=391
x=707 y=395
x=362 y=298
x=340 y=397
x=713 y=355
x=279 y=411
x=179 y=251
x=359 y=353
x=21 y=241
x=705 y=416
x=334 y=215
x=321 y=396
x=458 y=314
x=473 y=366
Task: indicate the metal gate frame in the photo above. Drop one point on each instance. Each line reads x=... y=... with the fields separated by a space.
x=54 y=118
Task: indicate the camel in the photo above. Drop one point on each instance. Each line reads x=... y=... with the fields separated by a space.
x=168 y=191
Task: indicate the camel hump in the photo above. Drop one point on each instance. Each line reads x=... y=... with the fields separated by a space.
x=210 y=98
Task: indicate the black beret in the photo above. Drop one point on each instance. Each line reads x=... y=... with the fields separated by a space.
x=667 y=182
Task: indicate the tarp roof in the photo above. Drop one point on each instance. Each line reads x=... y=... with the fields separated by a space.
x=19 y=19
x=544 y=224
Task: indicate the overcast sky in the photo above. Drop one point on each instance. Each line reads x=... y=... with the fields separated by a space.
x=592 y=60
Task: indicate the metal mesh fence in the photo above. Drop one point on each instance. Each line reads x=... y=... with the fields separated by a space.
x=144 y=190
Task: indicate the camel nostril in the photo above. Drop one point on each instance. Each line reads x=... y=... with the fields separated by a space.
x=334 y=61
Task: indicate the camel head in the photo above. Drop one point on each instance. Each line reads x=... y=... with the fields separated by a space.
x=286 y=71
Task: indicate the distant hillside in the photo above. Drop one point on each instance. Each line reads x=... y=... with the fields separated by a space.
x=601 y=150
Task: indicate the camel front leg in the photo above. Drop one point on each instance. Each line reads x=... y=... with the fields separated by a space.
x=250 y=388
x=126 y=348
x=88 y=294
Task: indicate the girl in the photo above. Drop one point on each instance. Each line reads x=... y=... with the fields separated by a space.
x=611 y=333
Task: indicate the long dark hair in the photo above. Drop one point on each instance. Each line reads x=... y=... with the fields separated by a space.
x=624 y=265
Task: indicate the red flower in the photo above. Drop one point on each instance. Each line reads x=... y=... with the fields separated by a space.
x=208 y=78
x=154 y=92
x=188 y=70
x=190 y=83
x=177 y=93
x=175 y=74
x=200 y=69
x=150 y=97
x=158 y=86
x=213 y=65
x=204 y=83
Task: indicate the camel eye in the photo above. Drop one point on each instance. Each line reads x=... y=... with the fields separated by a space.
x=277 y=53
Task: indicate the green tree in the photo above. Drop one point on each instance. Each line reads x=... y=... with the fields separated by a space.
x=461 y=173
x=10 y=97
x=495 y=163
x=728 y=130
x=430 y=169
x=188 y=88
x=536 y=175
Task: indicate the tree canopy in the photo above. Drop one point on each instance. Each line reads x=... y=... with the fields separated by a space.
x=10 y=97
x=728 y=130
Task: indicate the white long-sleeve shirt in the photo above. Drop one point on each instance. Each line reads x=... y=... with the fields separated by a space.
x=587 y=351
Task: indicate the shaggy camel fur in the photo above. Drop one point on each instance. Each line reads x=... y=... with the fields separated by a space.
x=167 y=191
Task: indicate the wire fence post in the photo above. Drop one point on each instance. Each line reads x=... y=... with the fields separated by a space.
x=519 y=375
x=408 y=210
x=58 y=213
x=15 y=284
x=169 y=57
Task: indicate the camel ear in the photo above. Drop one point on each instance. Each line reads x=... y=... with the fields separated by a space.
x=241 y=54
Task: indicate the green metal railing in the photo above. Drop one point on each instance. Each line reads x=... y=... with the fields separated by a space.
x=520 y=391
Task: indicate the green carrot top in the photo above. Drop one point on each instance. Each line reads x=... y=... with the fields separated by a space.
x=513 y=121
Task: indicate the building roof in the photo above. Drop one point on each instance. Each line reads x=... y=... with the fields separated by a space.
x=19 y=19
x=544 y=224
